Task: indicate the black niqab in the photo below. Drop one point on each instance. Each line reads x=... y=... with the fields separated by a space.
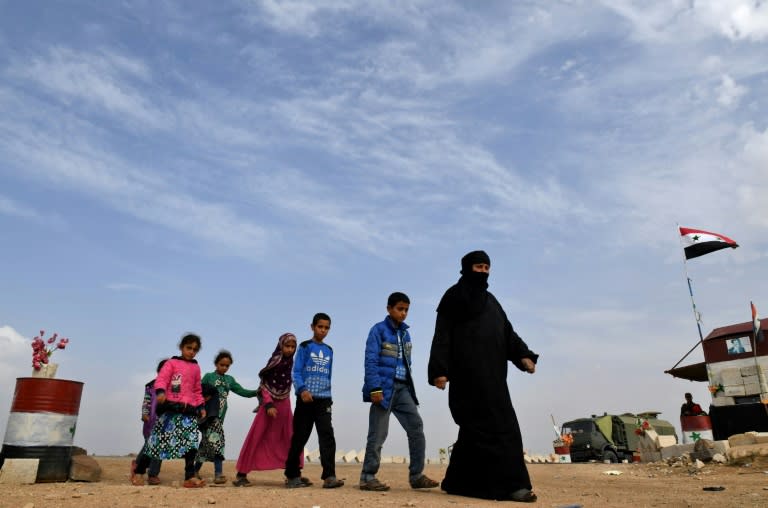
x=467 y=298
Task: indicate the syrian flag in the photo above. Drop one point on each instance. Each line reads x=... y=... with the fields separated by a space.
x=758 y=333
x=697 y=242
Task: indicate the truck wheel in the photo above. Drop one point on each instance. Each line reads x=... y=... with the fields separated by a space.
x=610 y=455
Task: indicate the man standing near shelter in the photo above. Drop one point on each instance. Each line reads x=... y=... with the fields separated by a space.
x=690 y=408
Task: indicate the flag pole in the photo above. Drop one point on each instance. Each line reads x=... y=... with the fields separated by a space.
x=696 y=313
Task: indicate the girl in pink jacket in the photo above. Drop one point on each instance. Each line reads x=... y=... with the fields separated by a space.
x=179 y=404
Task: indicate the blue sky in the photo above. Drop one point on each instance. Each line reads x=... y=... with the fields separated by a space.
x=231 y=168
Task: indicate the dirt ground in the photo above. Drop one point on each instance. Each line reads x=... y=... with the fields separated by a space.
x=557 y=485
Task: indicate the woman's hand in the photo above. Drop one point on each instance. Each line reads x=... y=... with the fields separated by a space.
x=440 y=382
x=530 y=367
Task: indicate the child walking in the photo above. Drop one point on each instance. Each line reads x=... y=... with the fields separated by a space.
x=149 y=417
x=212 y=443
x=389 y=387
x=312 y=369
x=267 y=442
x=179 y=403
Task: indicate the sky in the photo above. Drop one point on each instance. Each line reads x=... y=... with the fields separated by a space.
x=231 y=168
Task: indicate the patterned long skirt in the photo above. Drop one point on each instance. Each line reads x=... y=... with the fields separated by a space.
x=172 y=436
x=212 y=443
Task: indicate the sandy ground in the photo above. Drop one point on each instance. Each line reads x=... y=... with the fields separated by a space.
x=557 y=485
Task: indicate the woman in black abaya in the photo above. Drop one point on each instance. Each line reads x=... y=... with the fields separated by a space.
x=473 y=342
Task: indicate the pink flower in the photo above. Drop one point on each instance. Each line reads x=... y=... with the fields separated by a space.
x=41 y=351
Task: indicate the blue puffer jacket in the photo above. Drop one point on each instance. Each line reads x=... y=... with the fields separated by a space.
x=381 y=360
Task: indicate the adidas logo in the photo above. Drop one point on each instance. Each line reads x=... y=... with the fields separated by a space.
x=320 y=359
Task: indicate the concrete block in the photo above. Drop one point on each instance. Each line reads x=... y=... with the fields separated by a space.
x=645 y=443
x=751 y=380
x=649 y=456
x=398 y=459
x=722 y=400
x=339 y=456
x=664 y=441
x=19 y=471
x=313 y=456
x=734 y=390
x=747 y=438
x=360 y=456
x=386 y=460
x=720 y=447
x=761 y=438
x=730 y=376
x=350 y=457
x=752 y=389
x=84 y=469
x=670 y=451
x=677 y=450
x=749 y=370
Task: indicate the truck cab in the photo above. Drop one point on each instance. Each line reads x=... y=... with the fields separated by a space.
x=610 y=437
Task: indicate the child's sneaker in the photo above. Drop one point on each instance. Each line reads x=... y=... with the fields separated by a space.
x=331 y=483
x=295 y=483
x=241 y=481
x=219 y=479
x=153 y=480
x=193 y=483
x=375 y=485
x=423 y=482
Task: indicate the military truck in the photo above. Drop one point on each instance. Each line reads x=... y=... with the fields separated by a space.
x=611 y=437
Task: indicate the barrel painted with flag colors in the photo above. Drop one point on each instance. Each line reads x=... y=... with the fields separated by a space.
x=41 y=425
x=695 y=428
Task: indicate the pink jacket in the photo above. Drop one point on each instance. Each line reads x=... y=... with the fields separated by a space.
x=180 y=380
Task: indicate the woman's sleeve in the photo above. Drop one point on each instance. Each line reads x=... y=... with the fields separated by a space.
x=517 y=349
x=243 y=392
x=440 y=352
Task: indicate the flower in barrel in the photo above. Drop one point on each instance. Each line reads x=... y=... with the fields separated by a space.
x=43 y=348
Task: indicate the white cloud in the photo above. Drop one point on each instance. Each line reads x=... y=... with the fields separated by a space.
x=104 y=79
x=11 y=207
x=736 y=19
x=729 y=92
x=15 y=361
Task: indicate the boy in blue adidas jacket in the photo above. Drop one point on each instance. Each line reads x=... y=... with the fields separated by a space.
x=312 y=367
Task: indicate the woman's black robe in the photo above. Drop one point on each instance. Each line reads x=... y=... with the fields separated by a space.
x=472 y=352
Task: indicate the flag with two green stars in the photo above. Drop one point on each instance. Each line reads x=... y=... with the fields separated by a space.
x=697 y=242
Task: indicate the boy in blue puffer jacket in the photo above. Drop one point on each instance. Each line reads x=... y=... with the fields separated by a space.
x=388 y=386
